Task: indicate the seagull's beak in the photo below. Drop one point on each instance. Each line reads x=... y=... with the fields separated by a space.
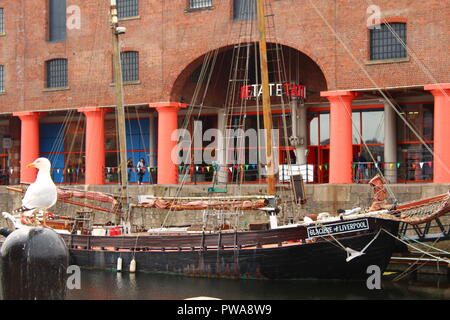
x=31 y=165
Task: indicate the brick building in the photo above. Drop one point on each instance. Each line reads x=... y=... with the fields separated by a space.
x=376 y=75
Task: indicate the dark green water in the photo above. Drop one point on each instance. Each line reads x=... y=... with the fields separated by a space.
x=109 y=285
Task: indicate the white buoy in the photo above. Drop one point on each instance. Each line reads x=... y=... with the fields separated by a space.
x=133 y=265
x=119 y=264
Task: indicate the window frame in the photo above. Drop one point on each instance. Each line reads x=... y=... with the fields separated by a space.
x=248 y=15
x=2 y=21
x=59 y=36
x=120 y=8
x=205 y=5
x=2 y=79
x=123 y=67
x=65 y=82
x=372 y=56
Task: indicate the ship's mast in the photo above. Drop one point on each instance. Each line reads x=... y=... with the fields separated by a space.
x=271 y=190
x=116 y=31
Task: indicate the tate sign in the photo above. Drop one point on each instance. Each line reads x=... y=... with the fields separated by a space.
x=252 y=91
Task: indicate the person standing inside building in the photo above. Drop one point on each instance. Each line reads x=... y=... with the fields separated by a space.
x=130 y=167
x=141 y=170
x=360 y=162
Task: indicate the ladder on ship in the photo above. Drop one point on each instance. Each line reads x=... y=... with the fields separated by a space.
x=235 y=111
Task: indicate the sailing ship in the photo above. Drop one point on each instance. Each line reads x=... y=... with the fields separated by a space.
x=322 y=246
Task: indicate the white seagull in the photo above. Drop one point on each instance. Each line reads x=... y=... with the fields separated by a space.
x=42 y=193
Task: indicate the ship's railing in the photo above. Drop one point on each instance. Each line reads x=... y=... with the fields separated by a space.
x=437 y=229
x=243 y=173
x=189 y=241
x=201 y=241
x=412 y=171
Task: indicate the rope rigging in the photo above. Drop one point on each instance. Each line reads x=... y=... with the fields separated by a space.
x=378 y=88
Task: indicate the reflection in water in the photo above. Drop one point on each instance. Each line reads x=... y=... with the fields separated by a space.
x=108 y=285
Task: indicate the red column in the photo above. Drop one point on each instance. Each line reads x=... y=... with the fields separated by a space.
x=95 y=144
x=167 y=124
x=29 y=143
x=340 y=135
x=441 y=163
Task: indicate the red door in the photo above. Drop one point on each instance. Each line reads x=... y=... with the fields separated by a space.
x=319 y=156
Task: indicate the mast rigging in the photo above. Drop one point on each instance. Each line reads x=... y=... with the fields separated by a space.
x=271 y=189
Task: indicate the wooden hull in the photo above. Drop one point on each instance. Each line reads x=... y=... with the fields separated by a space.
x=320 y=260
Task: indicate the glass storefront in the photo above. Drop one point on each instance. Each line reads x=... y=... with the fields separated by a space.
x=368 y=144
x=6 y=144
x=367 y=135
x=64 y=145
x=415 y=161
x=138 y=147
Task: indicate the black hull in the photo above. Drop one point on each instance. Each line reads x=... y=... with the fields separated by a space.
x=319 y=260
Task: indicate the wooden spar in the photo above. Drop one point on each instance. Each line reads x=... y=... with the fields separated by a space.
x=120 y=103
x=76 y=203
x=193 y=198
x=271 y=190
x=119 y=99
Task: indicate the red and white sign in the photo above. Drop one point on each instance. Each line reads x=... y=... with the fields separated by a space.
x=275 y=89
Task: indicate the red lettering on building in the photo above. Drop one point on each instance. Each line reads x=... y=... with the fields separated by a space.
x=290 y=90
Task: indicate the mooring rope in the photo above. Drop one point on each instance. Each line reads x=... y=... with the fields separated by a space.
x=426 y=245
x=348 y=250
x=410 y=245
x=410 y=269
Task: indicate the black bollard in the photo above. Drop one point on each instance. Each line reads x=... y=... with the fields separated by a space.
x=34 y=265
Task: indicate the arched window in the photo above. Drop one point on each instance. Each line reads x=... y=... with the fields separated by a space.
x=388 y=41
x=57 y=73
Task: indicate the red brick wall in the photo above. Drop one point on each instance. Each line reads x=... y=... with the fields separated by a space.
x=169 y=40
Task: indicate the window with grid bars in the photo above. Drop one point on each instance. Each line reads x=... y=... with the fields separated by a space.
x=57 y=20
x=200 y=4
x=385 y=41
x=57 y=73
x=127 y=8
x=2 y=22
x=244 y=10
x=2 y=79
x=130 y=66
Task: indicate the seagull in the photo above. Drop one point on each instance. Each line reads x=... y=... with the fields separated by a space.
x=42 y=193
